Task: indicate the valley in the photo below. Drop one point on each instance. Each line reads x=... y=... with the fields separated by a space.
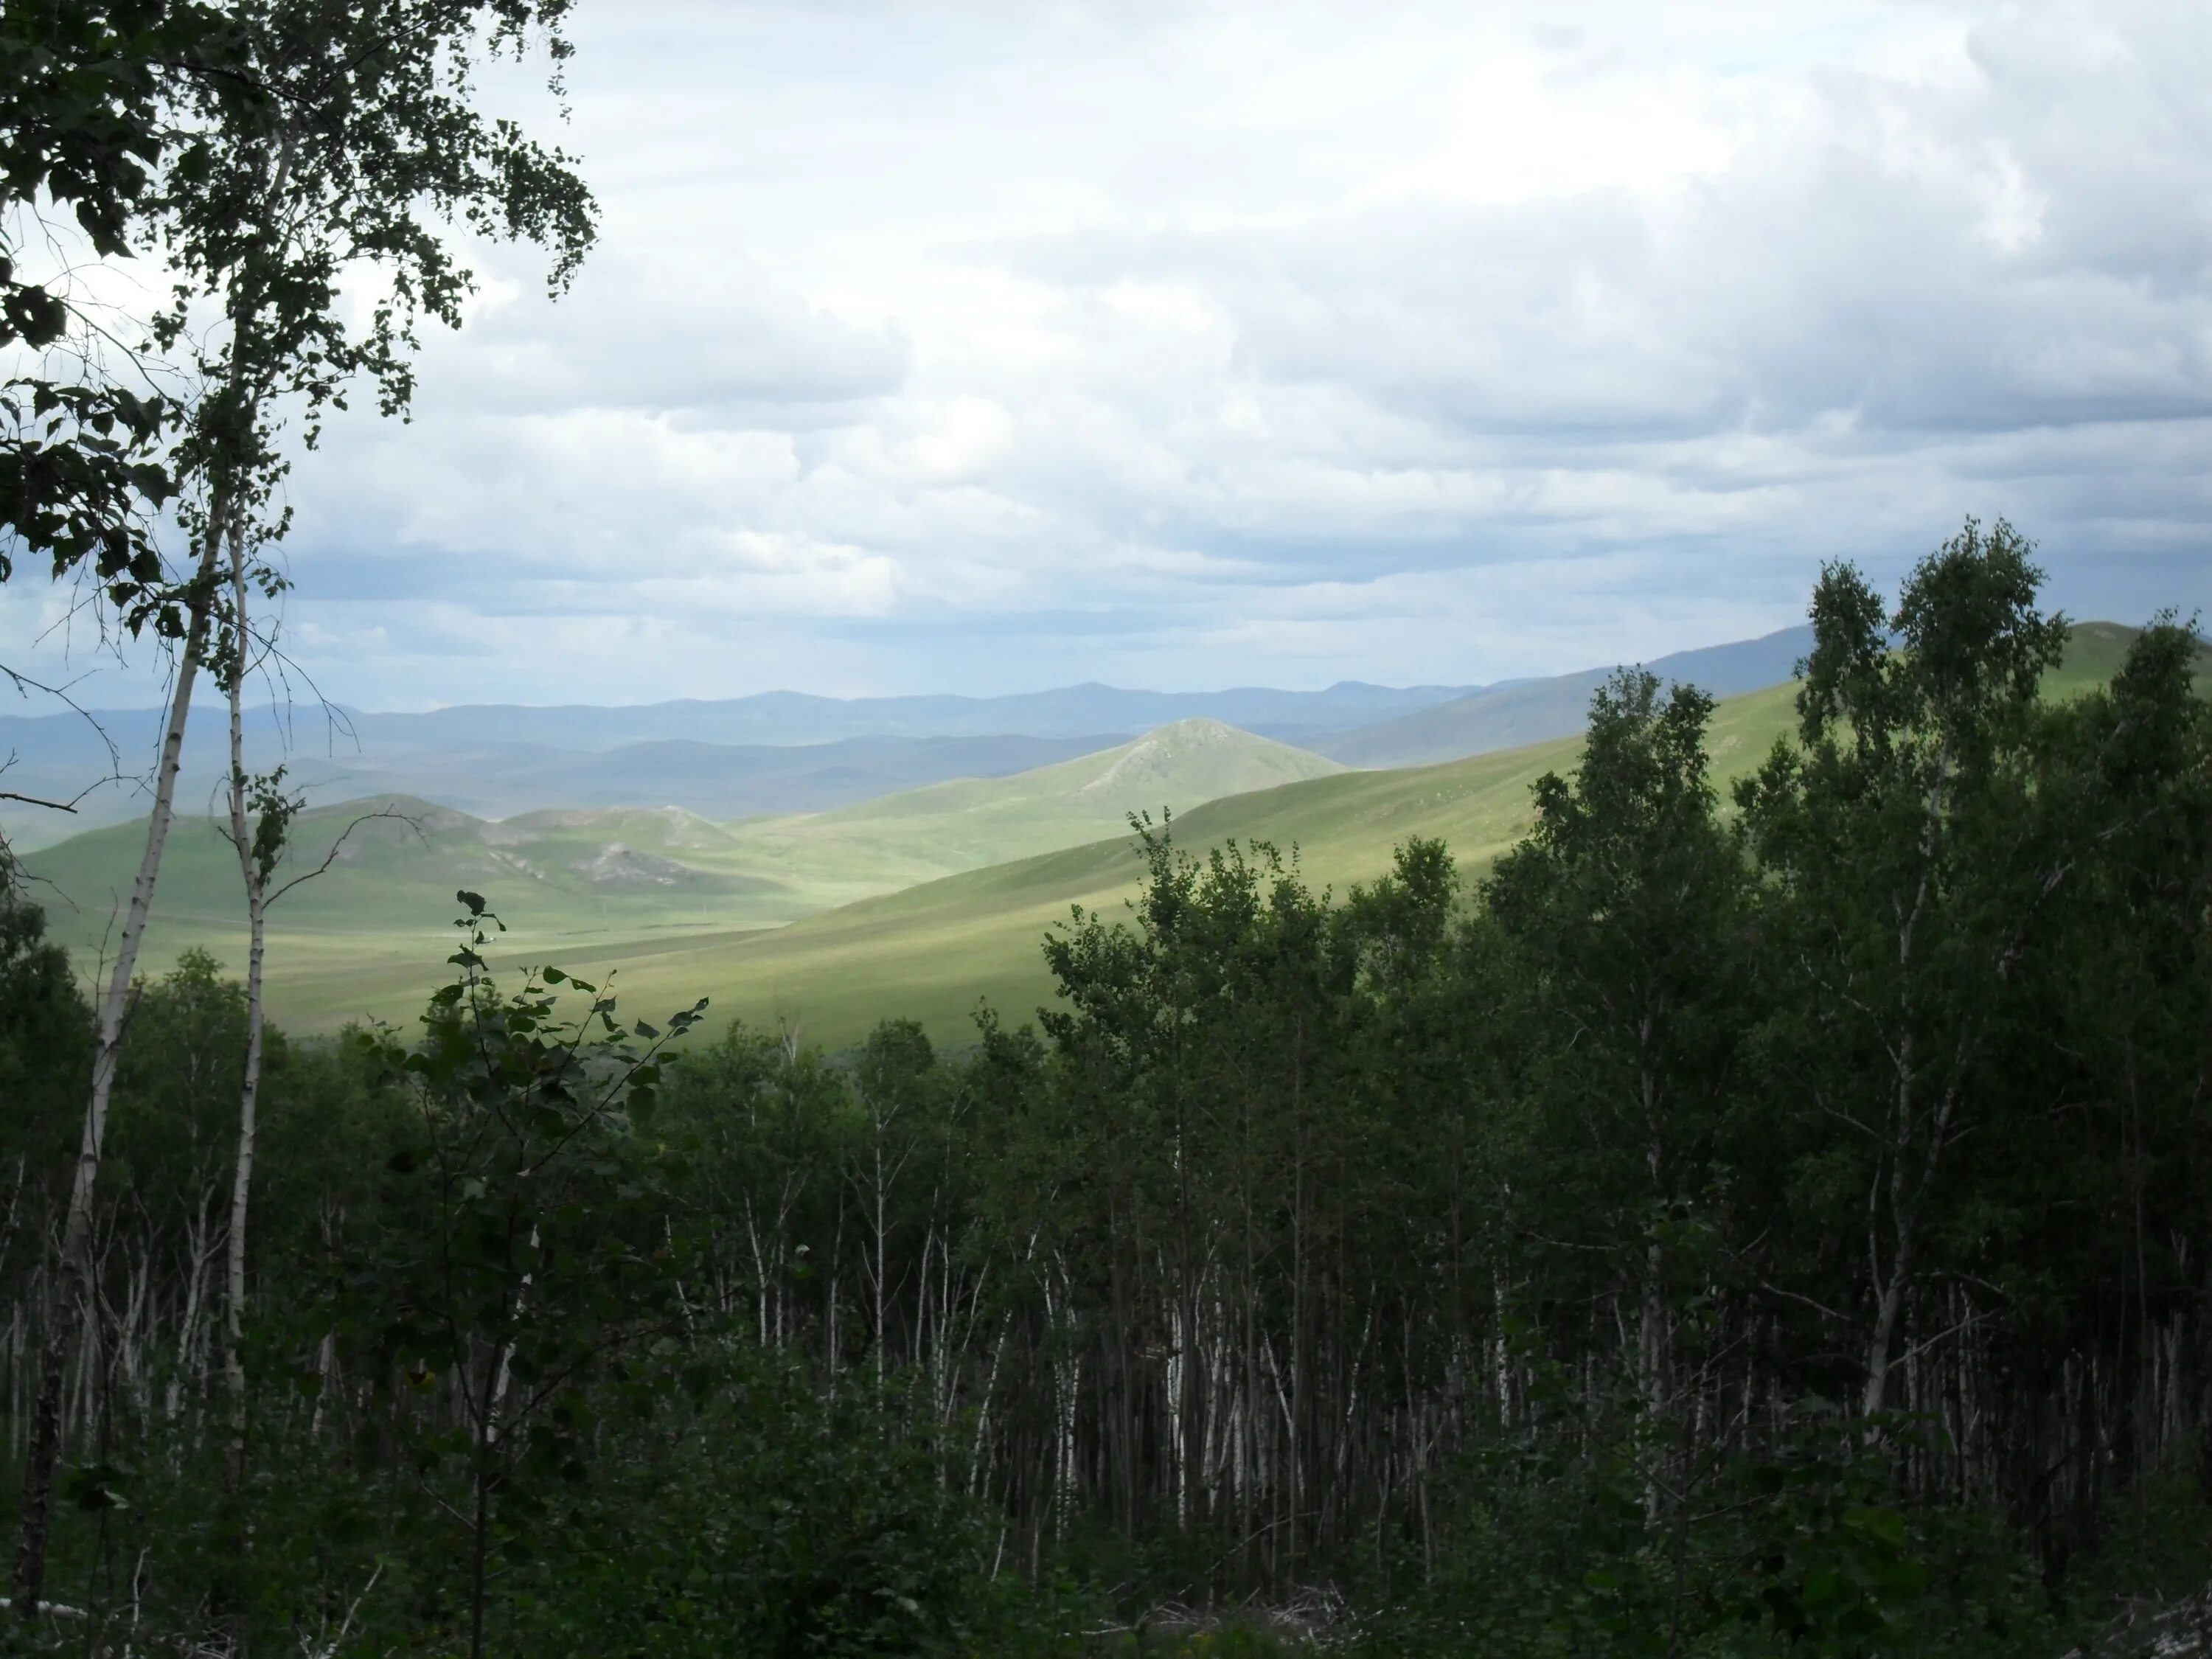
x=778 y=752
x=921 y=900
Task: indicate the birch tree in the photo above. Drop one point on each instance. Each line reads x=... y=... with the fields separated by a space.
x=1897 y=827
x=338 y=134
x=1626 y=903
x=87 y=127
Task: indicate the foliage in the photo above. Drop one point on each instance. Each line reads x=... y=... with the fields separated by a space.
x=1774 y=1232
x=44 y=1028
x=522 y=1255
x=269 y=148
x=754 y=1516
x=83 y=128
x=263 y=149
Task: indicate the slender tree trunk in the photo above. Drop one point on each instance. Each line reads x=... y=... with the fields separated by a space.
x=486 y=1436
x=490 y=1425
x=70 y=1279
x=1888 y=1306
x=257 y=899
x=881 y=1335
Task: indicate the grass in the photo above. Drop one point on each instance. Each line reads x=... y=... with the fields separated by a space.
x=932 y=952
x=591 y=886
x=918 y=835
x=921 y=904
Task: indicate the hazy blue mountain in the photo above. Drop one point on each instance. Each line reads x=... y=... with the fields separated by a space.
x=1531 y=711
x=480 y=775
x=780 y=752
x=795 y=717
x=783 y=751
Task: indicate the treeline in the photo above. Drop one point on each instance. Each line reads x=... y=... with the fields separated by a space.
x=1775 y=1224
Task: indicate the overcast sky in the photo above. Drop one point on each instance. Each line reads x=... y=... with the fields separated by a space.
x=984 y=349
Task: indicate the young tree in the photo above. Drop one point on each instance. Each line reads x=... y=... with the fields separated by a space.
x=1912 y=872
x=533 y=1247
x=261 y=814
x=338 y=134
x=895 y=1078
x=86 y=129
x=1624 y=905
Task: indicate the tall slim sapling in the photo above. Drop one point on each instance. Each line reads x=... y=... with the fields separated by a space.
x=537 y=1245
x=333 y=134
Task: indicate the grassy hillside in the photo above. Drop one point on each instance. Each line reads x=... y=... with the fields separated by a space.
x=389 y=890
x=775 y=753
x=919 y=903
x=720 y=781
x=1536 y=711
x=918 y=835
x=368 y=933
x=933 y=951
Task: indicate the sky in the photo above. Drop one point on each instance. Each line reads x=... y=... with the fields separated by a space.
x=988 y=348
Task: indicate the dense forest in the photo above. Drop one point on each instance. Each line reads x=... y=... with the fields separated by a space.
x=1767 y=1225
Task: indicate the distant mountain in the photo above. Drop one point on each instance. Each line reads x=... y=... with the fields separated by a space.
x=778 y=752
x=1508 y=716
x=932 y=951
x=497 y=779
x=1535 y=711
x=793 y=717
x=957 y=881
x=895 y=840
x=716 y=780
x=785 y=752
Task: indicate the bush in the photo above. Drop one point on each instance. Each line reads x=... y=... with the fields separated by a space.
x=754 y=1517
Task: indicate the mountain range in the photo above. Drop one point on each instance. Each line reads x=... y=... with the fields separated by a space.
x=1535 y=711
x=778 y=752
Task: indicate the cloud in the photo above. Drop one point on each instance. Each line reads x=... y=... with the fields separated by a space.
x=970 y=349
x=712 y=339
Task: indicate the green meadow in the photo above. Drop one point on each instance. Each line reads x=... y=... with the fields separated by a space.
x=593 y=886
x=934 y=951
x=921 y=904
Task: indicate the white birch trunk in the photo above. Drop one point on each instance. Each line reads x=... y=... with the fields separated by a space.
x=257 y=900
x=64 y=1318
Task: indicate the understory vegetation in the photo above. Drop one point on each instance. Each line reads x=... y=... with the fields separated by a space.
x=1767 y=1225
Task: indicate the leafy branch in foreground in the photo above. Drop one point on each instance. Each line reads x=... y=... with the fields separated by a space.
x=536 y=1247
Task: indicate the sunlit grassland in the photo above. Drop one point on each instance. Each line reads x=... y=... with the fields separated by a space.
x=921 y=904
x=370 y=933
x=934 y=951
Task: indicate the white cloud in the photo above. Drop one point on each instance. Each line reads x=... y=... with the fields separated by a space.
x=982 y=347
